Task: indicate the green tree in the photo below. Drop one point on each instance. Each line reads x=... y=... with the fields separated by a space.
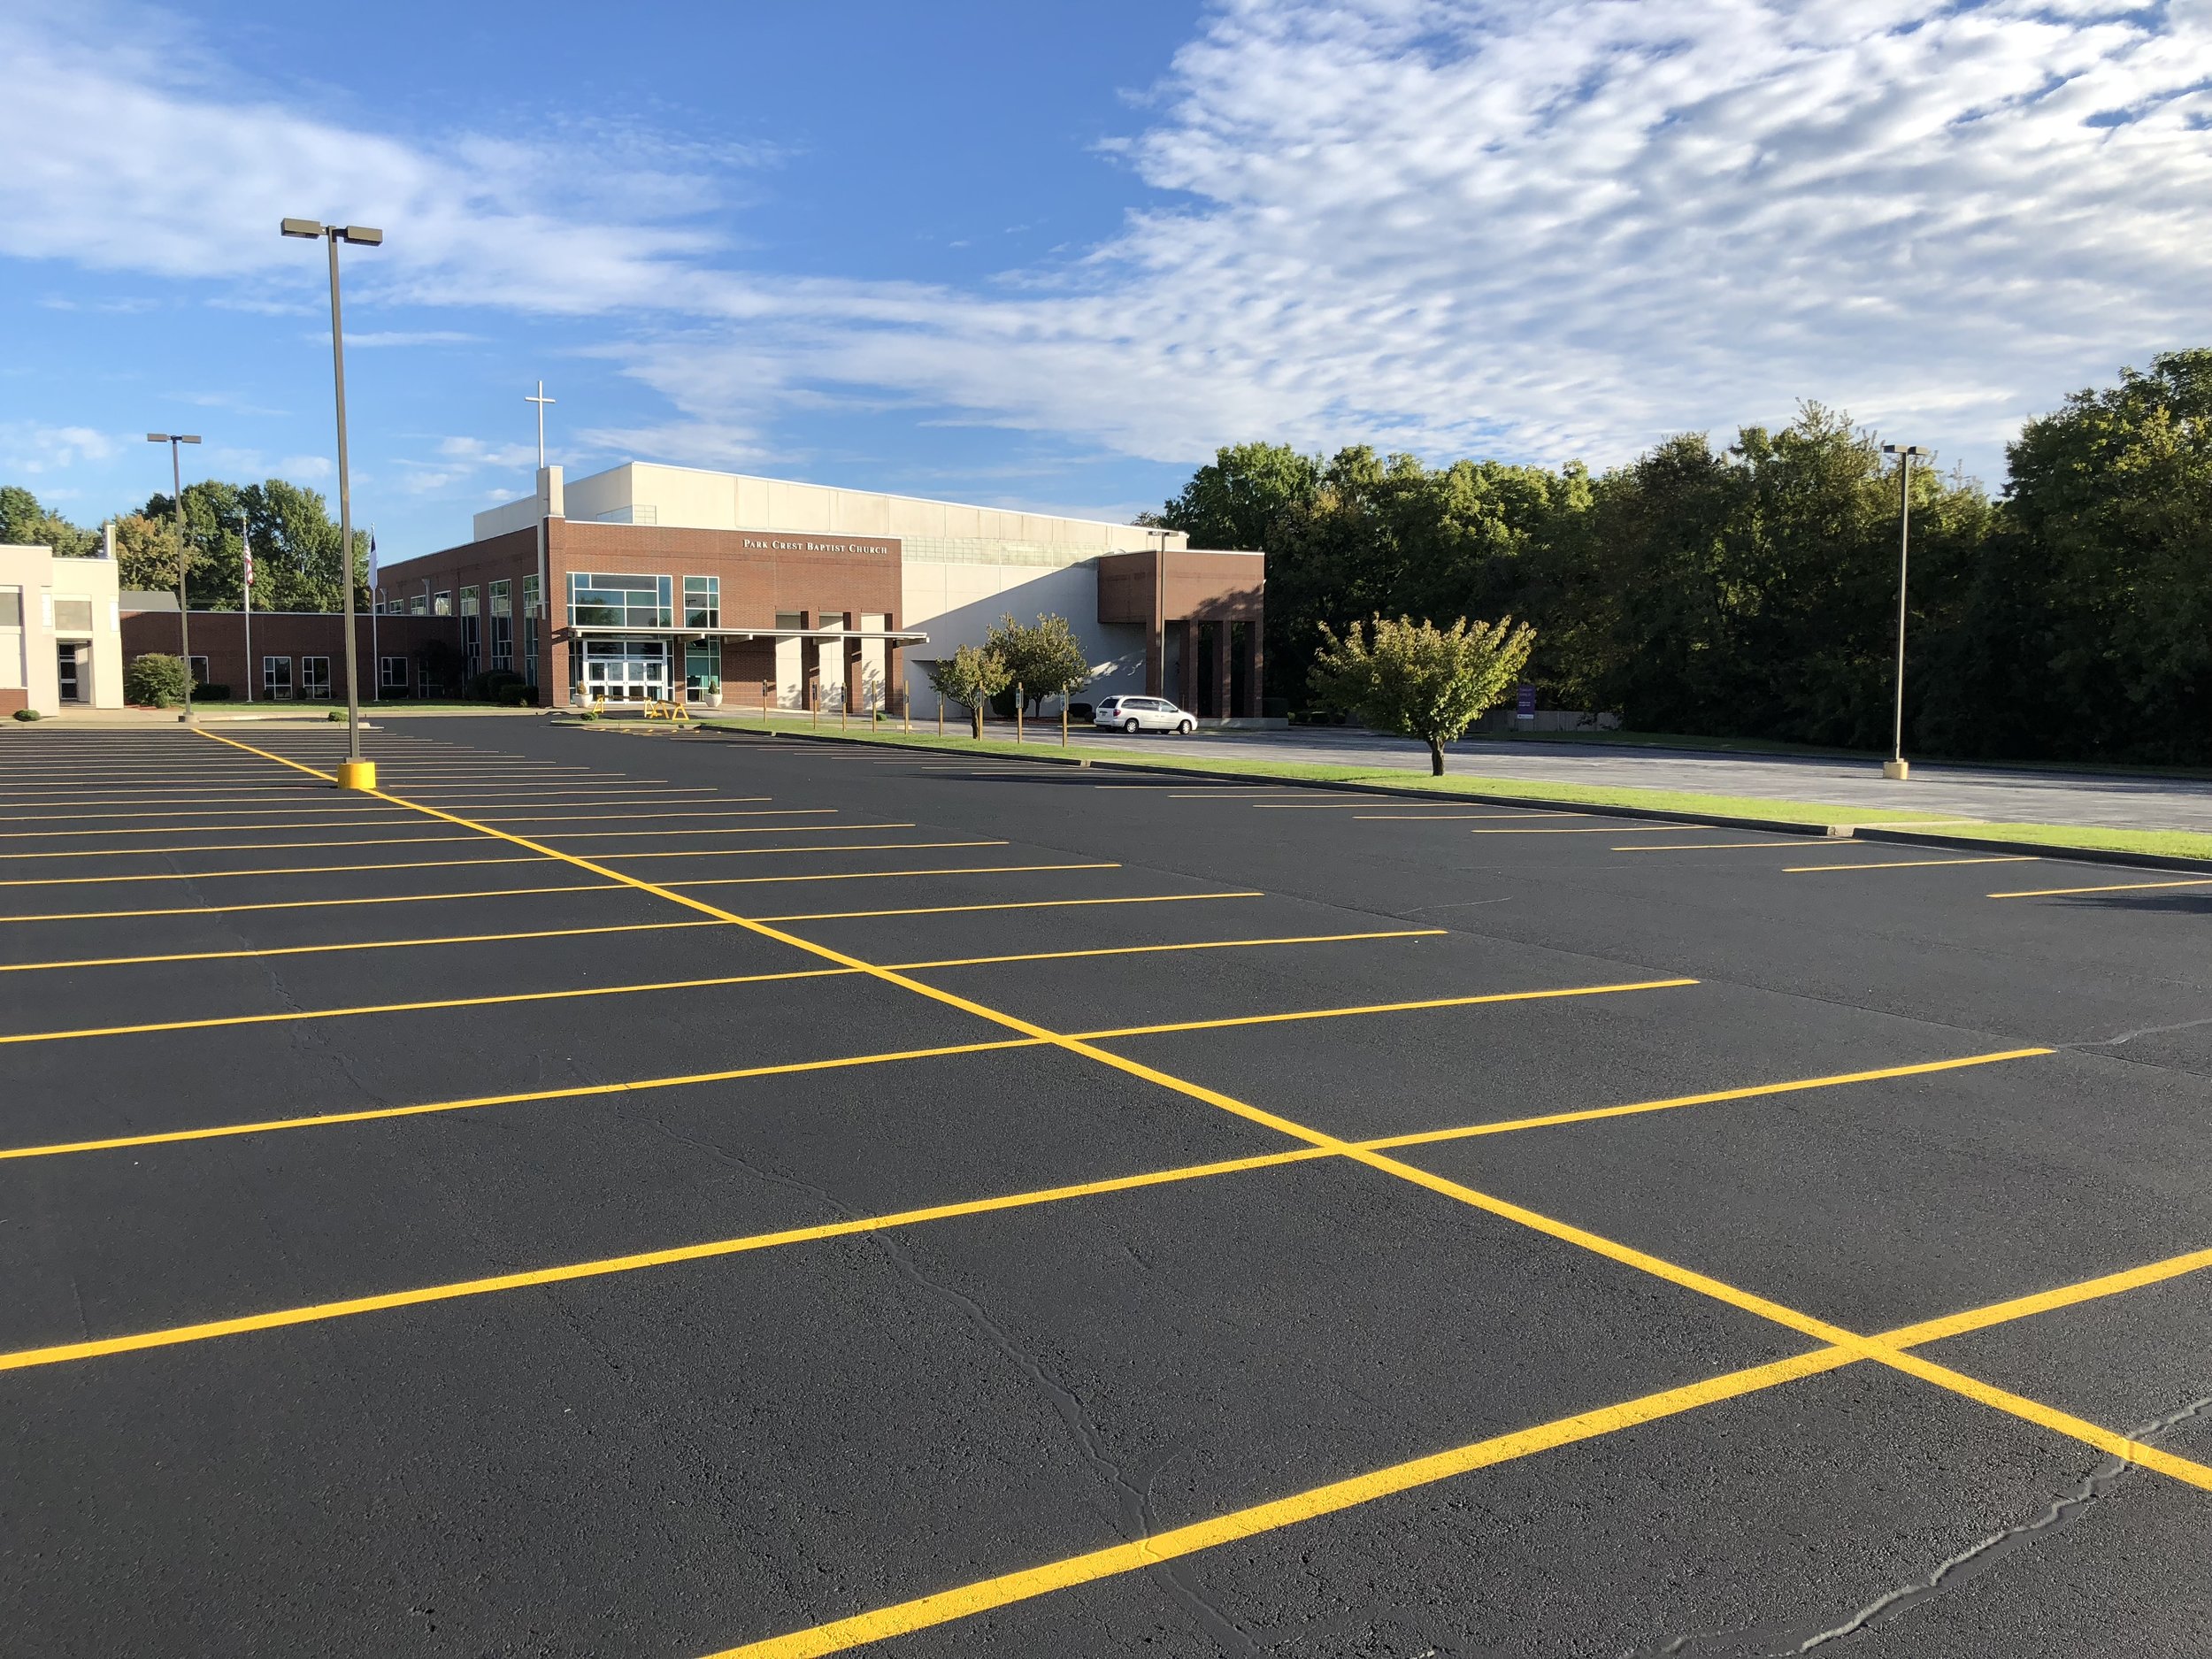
x=297 y=564
x=1236 y=499
x=24 y=522
x=1420 y=680
x=972 y=675
x=1046 y=661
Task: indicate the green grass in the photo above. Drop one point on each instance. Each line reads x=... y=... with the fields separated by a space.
x=304 y=706
x=1160 y=753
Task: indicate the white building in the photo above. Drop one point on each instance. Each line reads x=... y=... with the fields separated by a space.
x=60 y=631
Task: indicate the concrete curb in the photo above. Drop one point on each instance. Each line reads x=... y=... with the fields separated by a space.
x=1775 y=827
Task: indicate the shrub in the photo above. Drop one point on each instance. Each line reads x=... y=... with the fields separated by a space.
x=494 y=685
x=1080 y=712
x=27 y=714
x=155 y=681
x=336 y=714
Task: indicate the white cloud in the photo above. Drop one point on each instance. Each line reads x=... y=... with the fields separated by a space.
x=1534 y=227
x=32 y=450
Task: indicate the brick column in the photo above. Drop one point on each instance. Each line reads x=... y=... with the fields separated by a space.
x=1254 y=704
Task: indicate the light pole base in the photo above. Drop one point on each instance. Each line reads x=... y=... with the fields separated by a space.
x=188 y=719
x=356 y=774
x=1897 y=770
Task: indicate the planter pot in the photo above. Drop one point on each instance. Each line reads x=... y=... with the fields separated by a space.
x=714 y=699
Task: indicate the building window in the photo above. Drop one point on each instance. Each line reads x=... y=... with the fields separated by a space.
x=443 y=605
x=620 y=601
x=502 y=628
x=11 y=607
x=703 y=601
x=392 y=674
x=702 y=663
x=315 y=677
x=72 y=614
x=419 y=604
x=532 y=603
x=199 y=671
x=470 y=646
x=468 y=602
x=276 y=678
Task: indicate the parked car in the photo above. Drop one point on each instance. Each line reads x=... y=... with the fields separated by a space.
x=1144 y=714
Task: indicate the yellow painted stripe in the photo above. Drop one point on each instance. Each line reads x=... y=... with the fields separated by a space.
x=2115 y=1444
x=968 y=1600
x=287 y=870
x=1778 y=844
x=2046 y=1300
x=1379 y=1008
x=305 y=814
x=2117 y=886
x=290 y=1015
x=761 y=829
x=1432 y=817
x=319 y=905
x=1602 y=829
x=1147 y=950
x=953 y=910
x=393 y=820
x=367 y=944
x=233 y=847
x=1908 y=863
x=1507 y=1125
x=65 y=1353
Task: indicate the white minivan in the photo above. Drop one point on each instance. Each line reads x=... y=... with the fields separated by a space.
x=1143 y=714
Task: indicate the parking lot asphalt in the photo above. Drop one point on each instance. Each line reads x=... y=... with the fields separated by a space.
x=615 y=1192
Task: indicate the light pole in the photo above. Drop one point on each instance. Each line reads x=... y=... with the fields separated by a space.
x=176 y=500
x=1896 y=766
x=354 y=772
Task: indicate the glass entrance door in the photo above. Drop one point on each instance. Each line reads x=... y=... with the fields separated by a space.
x=68 y=672
x=625 y=671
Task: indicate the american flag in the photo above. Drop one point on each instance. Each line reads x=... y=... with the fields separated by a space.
x=245 y=549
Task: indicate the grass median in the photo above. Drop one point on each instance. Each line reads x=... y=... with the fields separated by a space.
x=1045 y=745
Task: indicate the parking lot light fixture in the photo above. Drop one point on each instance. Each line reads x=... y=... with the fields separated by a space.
x=1896 y=766
x=354 y=772
x=176 y=500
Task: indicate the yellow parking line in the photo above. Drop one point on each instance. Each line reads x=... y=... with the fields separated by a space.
x=1450 y=818
x=394 y=821
x=307 y=812
x=1430 y=1137
x=2115 y=886
x=379 y=1114
x=968 y=1600
x=647 y=927
x=951 y=910
x=1910 y=864
x=764 y=829
x=296 y=870
x=1146 y=950
x=1378 y=1008
x=232 y=847
x=320 y=904
x=365 y=944
x=1602 y=829
x=290 y=1015
x=1776 y=845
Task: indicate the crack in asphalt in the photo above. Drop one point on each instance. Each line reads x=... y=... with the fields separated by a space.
x=1949 y=1574
x=2130 y=1036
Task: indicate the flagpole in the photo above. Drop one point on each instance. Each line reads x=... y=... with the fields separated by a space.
x=376 y=605
x=245 y=558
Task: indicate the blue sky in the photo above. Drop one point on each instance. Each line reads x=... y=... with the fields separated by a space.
x=1051 y=255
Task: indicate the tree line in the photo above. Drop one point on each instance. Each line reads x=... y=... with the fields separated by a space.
x=295 y=544
x=1750 y=590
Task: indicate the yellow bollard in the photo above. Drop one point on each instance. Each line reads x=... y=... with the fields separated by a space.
x=356 y=774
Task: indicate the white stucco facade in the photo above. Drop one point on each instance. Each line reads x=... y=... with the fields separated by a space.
x=962 y=566
x=60 y=631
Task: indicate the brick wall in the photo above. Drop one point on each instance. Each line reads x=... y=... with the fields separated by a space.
x=220 y=637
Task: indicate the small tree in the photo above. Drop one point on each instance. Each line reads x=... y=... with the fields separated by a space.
x=155 y=680
x=1420 y=680
x=972 y=675
x=1046 y=661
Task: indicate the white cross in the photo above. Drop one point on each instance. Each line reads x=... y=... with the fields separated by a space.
x=541 y=400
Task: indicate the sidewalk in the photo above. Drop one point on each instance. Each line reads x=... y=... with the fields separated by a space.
x=1989 y=793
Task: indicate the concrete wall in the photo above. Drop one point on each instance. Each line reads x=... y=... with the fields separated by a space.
x=63 y=603
x=957 y=605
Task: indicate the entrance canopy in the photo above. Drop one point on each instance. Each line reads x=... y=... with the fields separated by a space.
x=897 y=636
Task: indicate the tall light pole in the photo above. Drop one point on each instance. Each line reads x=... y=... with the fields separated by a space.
x=1896 y=766
x=176 y=500
x=354 y=772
